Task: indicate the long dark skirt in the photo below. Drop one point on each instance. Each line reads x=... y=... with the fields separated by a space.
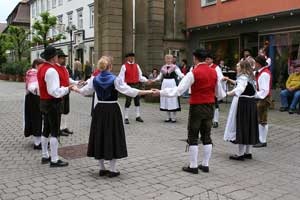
x=107 y=136
x=247 y=122
x=32 y=115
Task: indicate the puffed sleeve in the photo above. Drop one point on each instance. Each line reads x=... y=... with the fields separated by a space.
x=123 y=88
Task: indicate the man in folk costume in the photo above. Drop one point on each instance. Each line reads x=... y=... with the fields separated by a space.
x=64 y=131
x=131 y=74
x=205 y=87
x=263 y=83
x=210 y=61
x=52 y=84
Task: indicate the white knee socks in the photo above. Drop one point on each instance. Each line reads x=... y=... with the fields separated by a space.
x=36 y=140
x=168 y=115
x=242 y=149
x=263 y=132
x=248 y=149
x=101 y=164
x=193 y=156
x=54 y=149
x=173 y=116
x=63 y=122
x=112 y=164
x=44 y=141
x=126 y=111
x=206 y=154
x=137 y=110
x=216 y=115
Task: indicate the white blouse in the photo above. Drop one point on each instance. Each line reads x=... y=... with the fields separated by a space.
x=141 y=77
x=177 y=71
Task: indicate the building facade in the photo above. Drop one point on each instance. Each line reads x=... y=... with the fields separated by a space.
x=150 y=28
x=226 y=27
x=76 y=13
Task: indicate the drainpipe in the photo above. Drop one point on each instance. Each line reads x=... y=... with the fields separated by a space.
x=133 y=26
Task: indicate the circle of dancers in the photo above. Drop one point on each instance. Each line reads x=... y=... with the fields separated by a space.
x=47 y=100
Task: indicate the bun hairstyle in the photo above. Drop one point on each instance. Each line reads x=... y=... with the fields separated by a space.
x=104 y=63
x=251 y=61
x=246 y=68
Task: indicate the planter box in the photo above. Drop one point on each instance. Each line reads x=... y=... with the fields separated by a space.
x=20 y=78
x=12 y=77
x=5 y=77
x=149 y=98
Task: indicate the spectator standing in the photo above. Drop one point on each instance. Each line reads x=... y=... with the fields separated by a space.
x=77 y=69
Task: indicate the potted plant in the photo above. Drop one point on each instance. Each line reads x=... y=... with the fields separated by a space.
x=4 y=72
x=12 y=72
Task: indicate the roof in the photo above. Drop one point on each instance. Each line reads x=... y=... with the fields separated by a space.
x=2 y=27
x=20 y=14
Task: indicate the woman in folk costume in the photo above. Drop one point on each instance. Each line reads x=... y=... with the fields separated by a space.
x=242 y=123
x=169 y=73
x=32 y=113
x=107 y=137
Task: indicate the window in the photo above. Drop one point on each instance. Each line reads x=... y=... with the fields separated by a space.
x=53 y=3
x=48 y=5
x=60 y=2
x=60 y=23
x=208 y=2
x=92 y=16
x=37 y=8
x=79 y=19
x=70 y=18
x=33 y=13
x=42 y=5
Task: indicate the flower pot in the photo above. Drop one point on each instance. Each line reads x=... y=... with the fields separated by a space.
x=20 y=78
x=5 y=77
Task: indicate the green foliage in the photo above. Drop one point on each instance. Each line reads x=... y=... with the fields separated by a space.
x=3 y=48
x=41 y=29
x=17 y=41
x=19 y=68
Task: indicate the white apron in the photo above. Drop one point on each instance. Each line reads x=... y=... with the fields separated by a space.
x=169 y=103
x=230 y=130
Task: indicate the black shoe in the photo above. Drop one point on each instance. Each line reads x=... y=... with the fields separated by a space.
x=46 y=160
x=259 y=145
x=203 y=168
x=215 y=125
x=113 y=174
x=173 y=121
x=66 y=130
x=139 y=119
x=126 y=121
x=104 y=173
x=37 y=147
x=59 y=163
x=248 y=156
x=283 y=109
x=168 y=120
x=236 y=157
x=62 y=133
x=190 y=170
x=292 y=111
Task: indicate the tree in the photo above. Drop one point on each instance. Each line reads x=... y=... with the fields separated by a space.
x=41 y=29
x=17 y=38
x=3 y=48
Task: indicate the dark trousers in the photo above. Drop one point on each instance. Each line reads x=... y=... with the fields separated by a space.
x=52 y=114
x=136 y=99
x=200 y=118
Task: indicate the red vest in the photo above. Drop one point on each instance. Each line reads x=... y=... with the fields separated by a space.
x=63 y=75
x=266 y=69
x=41 y=79
x=214 y=66
x=203 y=88
x=131 y=73
x=96 y=72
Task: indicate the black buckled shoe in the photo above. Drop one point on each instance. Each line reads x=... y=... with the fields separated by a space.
x=248 y=156
x=215 y=125
x=62 y=133
x=46 y=160
x=59 y=163
x=259 y=145
x=204 y=168
x=66 y=130
x=37 y=147
x=236 y=157
x=113 y=174
x=139 y=119
x=174 y=121
x=190 y=170
x=292 y=111
x=126 y=121
x=103 y=172
x=168 y=120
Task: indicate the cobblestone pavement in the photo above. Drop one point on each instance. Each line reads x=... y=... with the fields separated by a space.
x=156 y=155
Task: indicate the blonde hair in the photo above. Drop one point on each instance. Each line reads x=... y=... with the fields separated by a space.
x=251 y=61
x=246 y=68
x=104 y=63
x=168 y=56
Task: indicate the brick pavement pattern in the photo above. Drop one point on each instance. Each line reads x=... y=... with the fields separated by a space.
x=156 y=155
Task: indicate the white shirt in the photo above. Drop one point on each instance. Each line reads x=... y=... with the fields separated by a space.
x=187 y=81
x=123 y=70
x=263 y=84
x=219 y=72
x=177 y=71
x=53 y=84
x=241 y=84
x=119 y=84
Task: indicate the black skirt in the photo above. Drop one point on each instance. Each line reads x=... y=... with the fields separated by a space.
x=247 y=122
x=32 y=115
x=107 y=136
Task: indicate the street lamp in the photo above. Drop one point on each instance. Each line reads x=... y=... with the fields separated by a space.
x=70 y=29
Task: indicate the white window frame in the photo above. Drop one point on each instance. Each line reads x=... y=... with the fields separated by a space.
x=60 y=2
x=80 y=18
x=204 y=3
x=92 y=16
x=33 y=9
x=48 y=5
x=54 y=3
x=70 y=18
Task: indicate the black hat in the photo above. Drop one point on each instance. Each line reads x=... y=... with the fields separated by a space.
x=261 y=60
x=60 y=53
x=209 y=55
x=200 y=54
x=129 y=55
x=49 y=52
